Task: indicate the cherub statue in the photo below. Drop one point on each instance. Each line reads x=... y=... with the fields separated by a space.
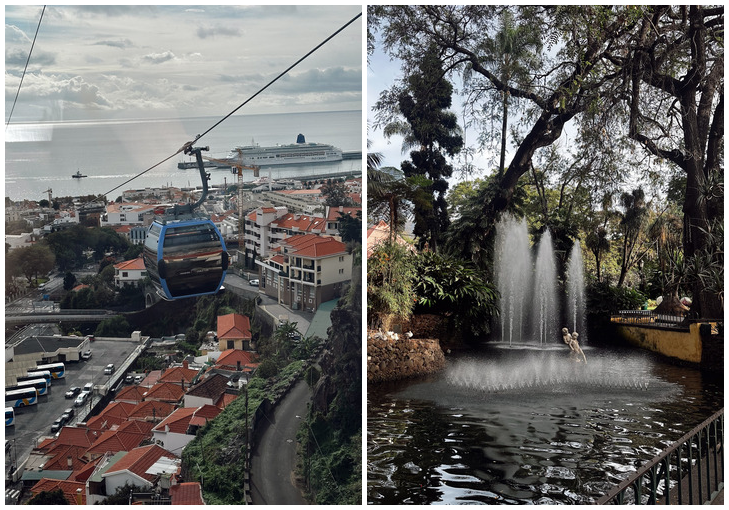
x=566 y=336
x=575 y=347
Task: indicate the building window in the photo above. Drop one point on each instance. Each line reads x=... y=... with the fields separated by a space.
x=231 y=344
x=341 y=271
x=341 y=259
x=125 y=274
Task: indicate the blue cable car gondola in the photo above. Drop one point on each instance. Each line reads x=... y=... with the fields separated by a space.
x=184 y=255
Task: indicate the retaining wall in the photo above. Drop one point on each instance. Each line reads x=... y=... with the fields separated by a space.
x=390 y=358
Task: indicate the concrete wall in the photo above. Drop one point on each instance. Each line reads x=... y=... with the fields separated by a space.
x=675 y=343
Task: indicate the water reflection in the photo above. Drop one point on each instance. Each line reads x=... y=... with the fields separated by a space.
x=448 y=439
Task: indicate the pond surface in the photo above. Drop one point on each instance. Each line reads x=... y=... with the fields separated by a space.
x=513 y=425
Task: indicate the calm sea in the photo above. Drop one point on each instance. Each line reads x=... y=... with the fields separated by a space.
x=43 y=156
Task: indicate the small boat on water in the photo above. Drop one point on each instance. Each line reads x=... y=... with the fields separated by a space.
x=78 y=175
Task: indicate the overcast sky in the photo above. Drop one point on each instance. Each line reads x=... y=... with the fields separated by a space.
x=98 y=62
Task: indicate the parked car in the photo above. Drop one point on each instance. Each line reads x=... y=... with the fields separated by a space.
x=68 y=413
x=110 y=369
x=86 y=355
x=72 y=392
x=81 y=399
x=138 y=379
x=129 y=378
x=254 y=282
x=56 y=425
x=89 y=387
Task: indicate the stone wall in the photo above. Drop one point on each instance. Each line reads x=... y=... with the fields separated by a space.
x=395 y=356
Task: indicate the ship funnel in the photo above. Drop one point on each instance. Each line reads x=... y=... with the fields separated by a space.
x=300 y=139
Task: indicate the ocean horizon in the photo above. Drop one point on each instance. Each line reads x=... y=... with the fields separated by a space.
x=44 y=155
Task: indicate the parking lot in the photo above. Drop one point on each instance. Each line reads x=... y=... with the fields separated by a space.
x=34 y=422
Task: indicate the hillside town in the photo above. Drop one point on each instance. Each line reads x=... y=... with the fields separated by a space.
x=128 y=426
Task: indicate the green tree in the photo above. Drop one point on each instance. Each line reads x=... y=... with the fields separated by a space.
x=424 y=104
x=116 y=326
x=55 y=497
x=350 y=227
x=511 y=53
x=30 y=261
x=632 y=226
x=336 y=194
x=390 y=280
x=69 y=281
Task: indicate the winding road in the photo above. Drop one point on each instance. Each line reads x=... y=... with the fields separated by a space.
x=274 y=457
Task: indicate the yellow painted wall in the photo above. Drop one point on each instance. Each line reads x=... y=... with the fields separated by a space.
x=683 y=345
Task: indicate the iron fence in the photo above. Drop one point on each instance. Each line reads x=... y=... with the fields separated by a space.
x=691 y=471
x=650 y=318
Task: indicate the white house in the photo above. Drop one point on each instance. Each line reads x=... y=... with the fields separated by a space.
x=129 y=273
x=179 y=428
x=127 y=213
x=142 y=467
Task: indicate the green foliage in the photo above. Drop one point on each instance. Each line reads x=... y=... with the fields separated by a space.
x=390 y=279
x=350 y=227
x=216 y=456
x=604 y=300
x=116 y=326
x=69 y=281
x=30 y=261
x=55 y=497
x=121 y=496
x=448 y=286
x=336 y=194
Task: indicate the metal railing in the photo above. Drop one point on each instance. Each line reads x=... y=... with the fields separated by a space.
x=650 y=318
x=691 y=471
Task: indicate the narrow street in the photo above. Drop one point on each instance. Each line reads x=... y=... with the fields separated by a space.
x=274 y=457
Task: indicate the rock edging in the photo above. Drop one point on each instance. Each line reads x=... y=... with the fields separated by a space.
x=392 y=356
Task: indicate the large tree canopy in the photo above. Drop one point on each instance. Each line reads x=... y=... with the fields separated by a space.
x=631 y=80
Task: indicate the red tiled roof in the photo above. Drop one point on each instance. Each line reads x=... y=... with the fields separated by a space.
x=76 y=436
x=303 y=222
x=152 y=409
x=177 y=374
x=234 y=326
x=140 y=460
x=225 y=400
x=60 y=455
x=188 y=493
x=334 y=212
x=179 y=420
x=229 y=359
x=115 y=413
x=151 y=379
x=165 y=392
x=115 y=441
x=313 y=246
x=131 y=394
x=79 y=287
x=252 y=216
x=69 y=489
x=84 y=473
x=131 y=265
x=140 y=426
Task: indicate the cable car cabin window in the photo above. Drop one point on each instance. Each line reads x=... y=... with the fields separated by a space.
x=193 y=260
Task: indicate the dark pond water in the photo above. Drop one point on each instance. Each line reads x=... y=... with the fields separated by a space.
x=528 y=425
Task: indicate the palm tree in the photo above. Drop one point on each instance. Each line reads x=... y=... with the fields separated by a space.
x=511 y=53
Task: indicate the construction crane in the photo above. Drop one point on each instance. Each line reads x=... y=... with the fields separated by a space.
x=239 y=167
x=50 y=195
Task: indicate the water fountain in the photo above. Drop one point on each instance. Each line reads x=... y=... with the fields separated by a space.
x=529 y=301
x=576 y=292
x=518 y=421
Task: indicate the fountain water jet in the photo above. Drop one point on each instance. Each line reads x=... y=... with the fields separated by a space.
x=528 y=289
x=576 y=291
x=513 y=276
x=545 y=314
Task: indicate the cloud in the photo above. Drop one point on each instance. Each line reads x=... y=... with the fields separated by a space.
x=18 y=57
x=159 y=58
x=122 y=43
x=333 y=79
x=15 y=35
x=205 y=32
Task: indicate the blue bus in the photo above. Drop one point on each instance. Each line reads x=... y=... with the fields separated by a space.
x=41 y=385
x=21 y=397
x=9 y=416
x=37 y=374
x=57 y=370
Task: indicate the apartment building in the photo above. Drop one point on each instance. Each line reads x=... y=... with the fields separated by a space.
x=306 y=271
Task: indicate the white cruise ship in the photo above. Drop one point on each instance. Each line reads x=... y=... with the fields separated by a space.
x=292 y=154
